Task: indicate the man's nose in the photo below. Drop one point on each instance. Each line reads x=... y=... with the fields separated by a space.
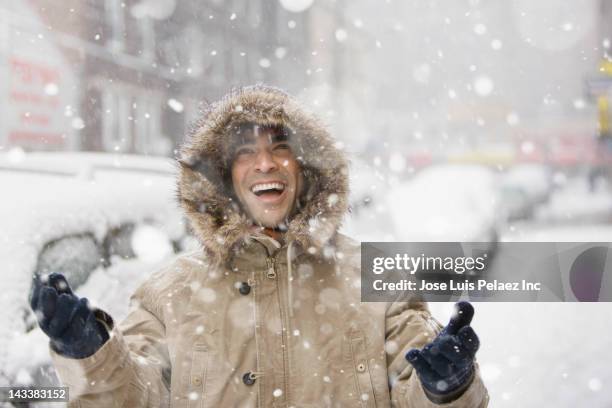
x=264 y=162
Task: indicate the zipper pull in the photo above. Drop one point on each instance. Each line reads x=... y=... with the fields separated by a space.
x=271 y=274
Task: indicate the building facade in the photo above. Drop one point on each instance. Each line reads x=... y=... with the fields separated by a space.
x=129 y=76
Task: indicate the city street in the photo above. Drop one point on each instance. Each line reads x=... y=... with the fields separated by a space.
x=135 y=134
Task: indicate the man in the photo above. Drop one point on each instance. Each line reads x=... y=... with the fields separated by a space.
x=268 y=313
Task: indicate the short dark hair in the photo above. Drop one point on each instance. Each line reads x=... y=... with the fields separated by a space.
x=243 y=133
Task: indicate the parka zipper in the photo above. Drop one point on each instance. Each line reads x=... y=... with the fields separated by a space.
x=271 y=261
x=271 y=274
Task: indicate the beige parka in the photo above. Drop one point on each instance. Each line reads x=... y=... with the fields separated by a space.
x=250 y=322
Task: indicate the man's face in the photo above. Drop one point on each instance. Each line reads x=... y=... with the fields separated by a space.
x=266 y=177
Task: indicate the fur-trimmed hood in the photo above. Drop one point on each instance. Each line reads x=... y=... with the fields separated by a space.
x=203 y=191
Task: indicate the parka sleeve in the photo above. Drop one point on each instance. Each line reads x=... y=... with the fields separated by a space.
x=132 y=368
x=410 y=325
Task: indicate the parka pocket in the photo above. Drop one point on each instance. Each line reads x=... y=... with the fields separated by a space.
x=363 y=379
x=197 y=376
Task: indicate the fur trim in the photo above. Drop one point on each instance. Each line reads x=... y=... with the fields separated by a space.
x=215 y=217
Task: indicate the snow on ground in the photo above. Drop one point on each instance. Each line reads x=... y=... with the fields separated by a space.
x=543 y=354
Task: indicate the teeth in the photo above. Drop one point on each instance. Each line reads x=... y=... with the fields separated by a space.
x=267 y=186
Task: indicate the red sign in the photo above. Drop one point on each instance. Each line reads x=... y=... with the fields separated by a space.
x=34 y=104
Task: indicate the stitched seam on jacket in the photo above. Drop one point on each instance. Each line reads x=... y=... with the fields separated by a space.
x=355 y=373
x=257 y=329
x=365 y=350
x=284 y=331
x=201 y=352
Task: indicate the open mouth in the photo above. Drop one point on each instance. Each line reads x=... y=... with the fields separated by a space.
x=268 y=190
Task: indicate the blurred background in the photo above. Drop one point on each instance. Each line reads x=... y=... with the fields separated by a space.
x=469 y=120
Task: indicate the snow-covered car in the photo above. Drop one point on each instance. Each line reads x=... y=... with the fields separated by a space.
x=441 y=203
x=105 y=221
x=523 y=187
x=444 y=203
x=515 y=203
x=447 y=204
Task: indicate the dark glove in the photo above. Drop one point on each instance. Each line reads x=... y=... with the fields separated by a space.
x=67 y=319
x=446 y=365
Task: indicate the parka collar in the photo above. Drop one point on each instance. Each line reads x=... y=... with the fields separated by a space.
x=203 y=191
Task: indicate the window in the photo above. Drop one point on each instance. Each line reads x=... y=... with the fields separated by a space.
x=147 y=34
x=173 y=121
x=74 y=256
x=254 y=14
x=92 y=109
x=147 y=139
x=194 y=56
x=118 y=120
x=115 y=20
x=216 y=59
x=118 y=242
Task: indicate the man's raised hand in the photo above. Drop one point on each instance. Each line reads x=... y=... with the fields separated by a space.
x=67 y=319
x=446 y=365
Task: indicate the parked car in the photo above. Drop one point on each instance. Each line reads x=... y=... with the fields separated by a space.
x=453 y=206
x=443 y=204
x=105 y=221
x=523 y=188
x=515 y=203
x=449 y=202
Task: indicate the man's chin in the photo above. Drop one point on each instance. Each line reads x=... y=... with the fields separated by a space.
x=273 y=217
